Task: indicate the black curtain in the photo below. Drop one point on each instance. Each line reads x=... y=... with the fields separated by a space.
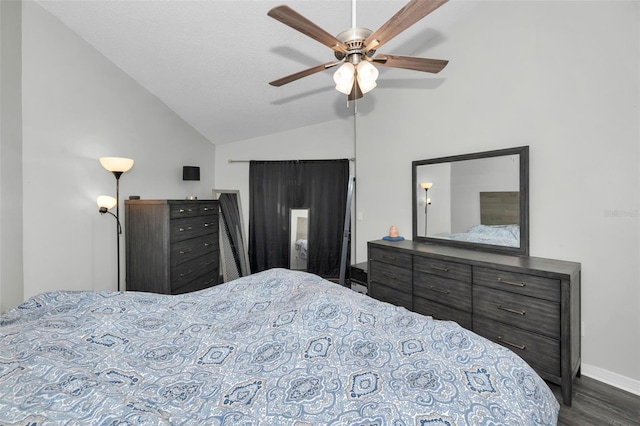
x=275 y=187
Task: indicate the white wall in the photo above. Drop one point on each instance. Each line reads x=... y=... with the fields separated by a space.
x=561 y=77
x=11 y=279
x=77 y=107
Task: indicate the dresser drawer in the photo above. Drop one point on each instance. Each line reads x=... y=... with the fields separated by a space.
x=186 y=250
x=391 y=276
x=208 y=208
x=542 y=353
x=539 y=316
x=390 y=295
x=192 y=269
x=183 y=210
x=442 y=312
x=442 y=268
x=189 y=227
x=529 y=285
x=209 y=279
x=393 y=257
x=442 y=290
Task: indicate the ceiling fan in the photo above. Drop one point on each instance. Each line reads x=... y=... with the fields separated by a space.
x=356 y=48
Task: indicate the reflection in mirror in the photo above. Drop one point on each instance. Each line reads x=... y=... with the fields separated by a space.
x=477 y=200
x=299 y=229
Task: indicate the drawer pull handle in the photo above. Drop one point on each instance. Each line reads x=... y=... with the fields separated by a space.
x=386 y=256
x=188 y=228
x=513 y=311
x=440 y=290
x=185 y=251
x=439 y=268
x=393 y=277
x=209 y=282
x=207 y=244
x=516 y=283
x=186 y=210
x=186 y=274
x=515 y=345
x=209 y=224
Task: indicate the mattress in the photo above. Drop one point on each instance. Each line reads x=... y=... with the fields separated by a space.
x=274 y=348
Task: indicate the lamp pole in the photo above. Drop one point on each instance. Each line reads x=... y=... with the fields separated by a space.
x=118 y=228
x=117 y=166
x=426 y=209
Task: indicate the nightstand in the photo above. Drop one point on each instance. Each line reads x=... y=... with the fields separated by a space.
x=358 y=277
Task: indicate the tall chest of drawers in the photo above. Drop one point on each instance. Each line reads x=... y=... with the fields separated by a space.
x=172 y=246
x=530 y=305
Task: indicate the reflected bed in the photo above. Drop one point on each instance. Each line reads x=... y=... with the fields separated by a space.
x=273 y=348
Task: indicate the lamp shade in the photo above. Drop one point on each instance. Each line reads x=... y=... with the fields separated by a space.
x=106 y=201
x=116 y=164
x=367 y=76
x=426 y=185
x=190 y=173
x=344 y=77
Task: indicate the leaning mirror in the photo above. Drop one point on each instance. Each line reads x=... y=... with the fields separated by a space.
x=478 y=201
x=299 y=242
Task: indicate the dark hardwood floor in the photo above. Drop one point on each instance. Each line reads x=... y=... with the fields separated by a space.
x=596 y=403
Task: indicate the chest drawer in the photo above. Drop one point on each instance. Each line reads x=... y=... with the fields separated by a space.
x=183 y=210
x=192 y=269
x=208 y=208
x=390 y=295
x=443 y=268
x=542 y=353
x=391 y=276
x=528 y=285
x=393 y=257
x=186 y=250
x=443 y=290
x=189 y=227
x=442 y=312
x=528 y=313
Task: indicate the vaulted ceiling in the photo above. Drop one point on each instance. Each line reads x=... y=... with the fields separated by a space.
x=210 y=61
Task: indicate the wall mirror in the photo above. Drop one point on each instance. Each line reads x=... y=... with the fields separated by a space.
x=478 y=201
x=298 y=236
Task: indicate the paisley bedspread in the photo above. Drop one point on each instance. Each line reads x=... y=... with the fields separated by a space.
x=274 y=348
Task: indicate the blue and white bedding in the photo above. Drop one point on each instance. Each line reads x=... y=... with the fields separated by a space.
x=502 y=235
x=274 y=348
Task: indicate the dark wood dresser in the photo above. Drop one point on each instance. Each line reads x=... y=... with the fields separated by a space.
x=530 y=305
x=172 y=245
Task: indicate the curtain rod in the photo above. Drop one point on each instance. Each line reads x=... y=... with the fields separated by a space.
x=248 y=161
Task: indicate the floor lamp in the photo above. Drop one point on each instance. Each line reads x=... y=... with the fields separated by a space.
x=117 y=166
x=427 y=201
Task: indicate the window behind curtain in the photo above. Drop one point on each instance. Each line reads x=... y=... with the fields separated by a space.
x=275 y=187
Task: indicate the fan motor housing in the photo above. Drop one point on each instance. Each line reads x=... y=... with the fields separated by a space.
x=354 y=39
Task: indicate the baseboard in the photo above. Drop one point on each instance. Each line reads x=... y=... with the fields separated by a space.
x=611 y=378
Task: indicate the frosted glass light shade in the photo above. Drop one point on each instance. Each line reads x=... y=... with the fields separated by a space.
x=426 y=185
x=367 y=76
x=344 y=77
x=116 y=164
x=106 y=202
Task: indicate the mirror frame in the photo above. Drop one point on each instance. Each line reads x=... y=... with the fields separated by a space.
x=523 y=153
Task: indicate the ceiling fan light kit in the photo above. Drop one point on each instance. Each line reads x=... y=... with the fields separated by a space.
x=356 y=47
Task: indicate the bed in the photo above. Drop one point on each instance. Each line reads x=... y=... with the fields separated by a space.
x=274 y=348
x=499 y=218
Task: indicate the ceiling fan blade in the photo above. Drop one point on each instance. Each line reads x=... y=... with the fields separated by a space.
x=411 y=63
x=356 y=93
x=290 y=17
x=411 y=13
x=298 y=75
